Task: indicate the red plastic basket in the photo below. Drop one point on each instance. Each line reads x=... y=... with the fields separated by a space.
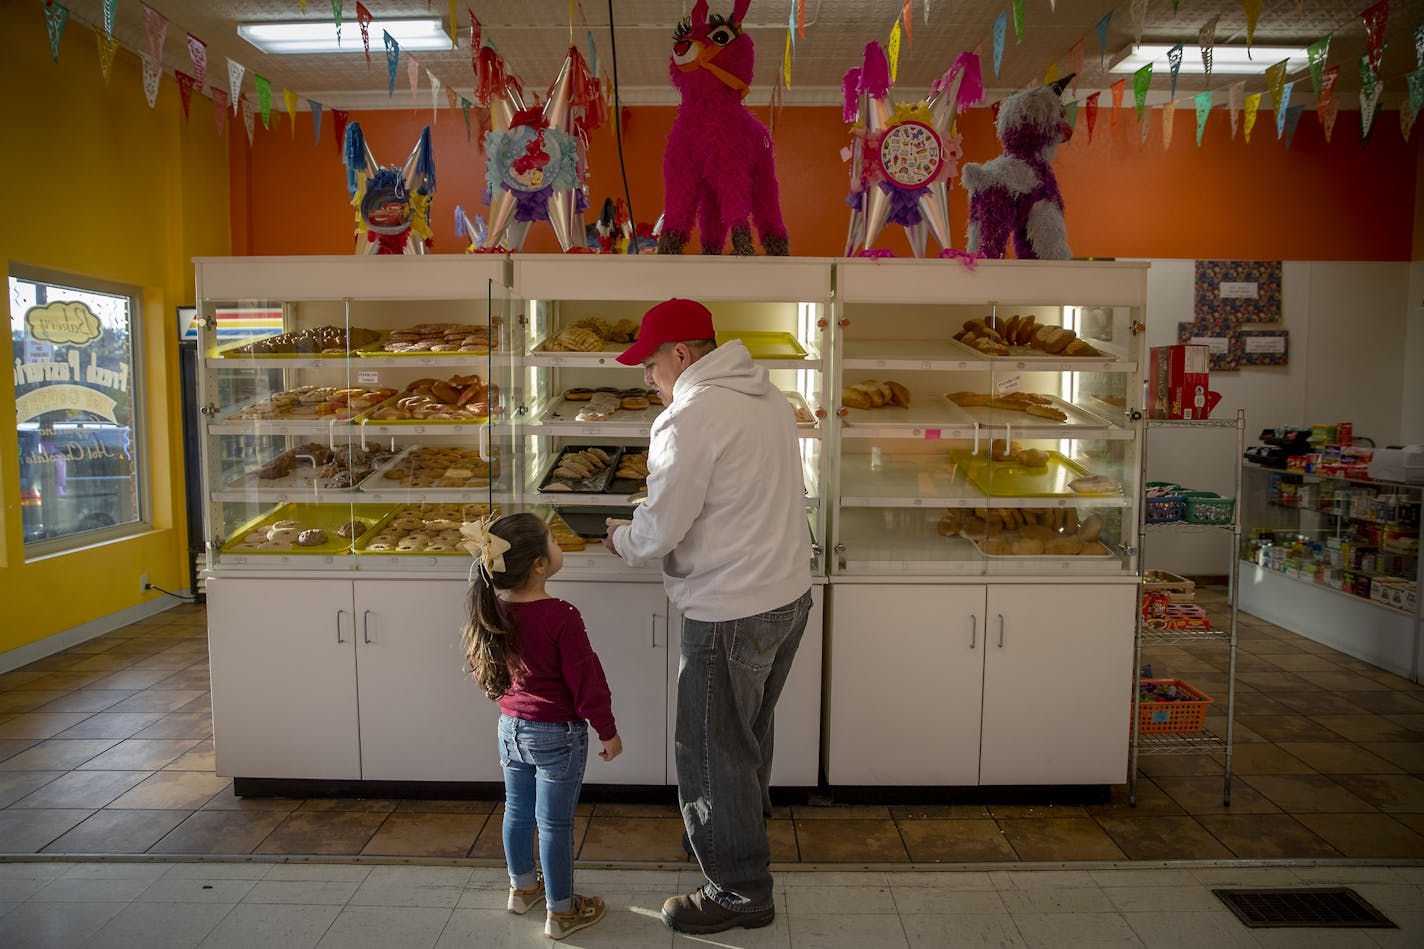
x=1184 y=716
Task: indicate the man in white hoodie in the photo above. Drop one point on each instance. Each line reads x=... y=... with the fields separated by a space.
x=726 y=515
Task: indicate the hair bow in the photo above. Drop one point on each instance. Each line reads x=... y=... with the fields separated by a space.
x=485 y=547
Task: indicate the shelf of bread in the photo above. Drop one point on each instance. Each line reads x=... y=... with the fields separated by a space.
x=950 y=355
x=944 y=481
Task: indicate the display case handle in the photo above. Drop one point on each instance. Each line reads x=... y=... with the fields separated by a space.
x=484 y=442
x=976 y=439
x=366 y=626
x=655 y=630
x=363 y=434
x=1001 y=630
x=973 y=629
x=338 y=626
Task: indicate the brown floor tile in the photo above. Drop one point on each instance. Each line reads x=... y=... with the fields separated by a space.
x=9 y=747
x=16 y=785
x=370 y=805
x=841 y=812
x=26 y=831
x=1162 y=838
x=335 y=832
x=1316 y=702
x=1265 y=759
x=136 y=679
x=1388 y=792
x=138 y=754
x=850 y=841
x=1073 y=838
x=633 y=838
x=1304 y=662
x=188 y=679
x=426 y=835
x=1035 y=811
x=781 y=835
x=1343 y=681
x=39 y=724
x=111 y=831
x=159 y=700
x=111 y=725
x=1306 y=794
x=82 y=789
x=180 y=725
x=103 y=662
x=1266 y=836
x=1288 y=727
x=20 y=678
x=1361 y=728
x=88 y=700
x=636 y=810
x=1365 y=835
x=225 y=800
x=1202 y=795
x=1409 y=755
x=1160 y=766
x=490 y=844
x=1387 y=703
x=198 y=758
x=1151 y=799
x=1414 y=721
x=57 y=754
x=444 y=807
x=68 y=681
x=219 y=832
x=907 y=812
x=1338 y=757
x=13 y=703
x=955 y=841
x=172 y=790
x=1274 y=682
x=1414 y=822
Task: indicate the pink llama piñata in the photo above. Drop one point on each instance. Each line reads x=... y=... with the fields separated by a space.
x=718 y=168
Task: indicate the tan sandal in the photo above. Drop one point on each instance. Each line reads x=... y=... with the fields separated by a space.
x=586 y=911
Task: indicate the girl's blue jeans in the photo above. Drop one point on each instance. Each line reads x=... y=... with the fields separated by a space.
x=543 y=771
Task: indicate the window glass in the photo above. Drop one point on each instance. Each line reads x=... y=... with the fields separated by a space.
x=81 y=471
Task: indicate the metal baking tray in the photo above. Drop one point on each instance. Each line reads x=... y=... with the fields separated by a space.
x=595 y=485
x=588 y=522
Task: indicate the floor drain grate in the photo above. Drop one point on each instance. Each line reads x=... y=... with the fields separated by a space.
x=1303 y=907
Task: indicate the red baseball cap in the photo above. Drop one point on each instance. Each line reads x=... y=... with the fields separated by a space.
x=672 y=321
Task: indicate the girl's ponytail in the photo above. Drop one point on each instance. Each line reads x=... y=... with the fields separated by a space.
x=490 y=641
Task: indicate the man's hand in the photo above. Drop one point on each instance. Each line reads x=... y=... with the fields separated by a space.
x=612 y=748
x=612 y=524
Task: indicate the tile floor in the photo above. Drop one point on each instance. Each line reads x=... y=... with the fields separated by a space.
x=297 y=905
x=106 y=748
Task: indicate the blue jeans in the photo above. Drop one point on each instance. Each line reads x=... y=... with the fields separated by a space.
x=543 y=766
x=730 y=675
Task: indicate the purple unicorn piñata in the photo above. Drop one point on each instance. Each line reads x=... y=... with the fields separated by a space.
x=718 y=168
x=1017 y=194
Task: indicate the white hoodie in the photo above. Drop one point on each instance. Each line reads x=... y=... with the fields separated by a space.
x=726 y=508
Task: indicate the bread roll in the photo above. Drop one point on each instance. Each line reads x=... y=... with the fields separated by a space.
x=1033 y=458
x=1025 y=330
x=968 y=398
x=1058 y=340
x=1090 y=527
x=1080 y=348
x=1028 y=547
x=996 y=548
x=1039 y=336
x=1000 y=450
x=899 y=395
x=975 y=528
x=1046 y=411
x=1038 y=531
x=1063 y=546
x=854 y=398
x=951 y=523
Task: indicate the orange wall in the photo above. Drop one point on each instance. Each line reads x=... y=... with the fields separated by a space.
x=1228 y=199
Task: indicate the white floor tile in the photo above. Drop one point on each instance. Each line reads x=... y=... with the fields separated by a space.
x=32 y=870
x=1144 y=877
x=491 y=929
x=848 y=932
x=1076 y=931
x=412 y=886
x=943 y=880
x=1163 y=899
x=803 y=901
x=1042 y=879
x=271 y=926
x=1246 y=876
x=1410 y=931
x=104 y=870
x=212 y=870
x=382 y=927
x=1391 y=897
x=1348 y=876
x=17 y=890
x=959 y=931
x=150 y=925
x=1216 y=930
x=775 y=936
x=309 y=892
x=91 y=890
x=800 y=878
x=1079 y=899
x=54 y=925
x=318 y=871
x=196 y=890
x=936 y=901
x=1314 y=939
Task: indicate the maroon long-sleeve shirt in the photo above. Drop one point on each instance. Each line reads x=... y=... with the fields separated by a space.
x=563 y=680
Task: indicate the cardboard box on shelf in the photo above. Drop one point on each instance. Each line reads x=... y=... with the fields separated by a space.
x=1177 y=382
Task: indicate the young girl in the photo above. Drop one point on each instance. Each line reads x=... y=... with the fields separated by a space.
x=530 y=652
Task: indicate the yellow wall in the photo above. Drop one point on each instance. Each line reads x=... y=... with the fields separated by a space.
x=101 y=185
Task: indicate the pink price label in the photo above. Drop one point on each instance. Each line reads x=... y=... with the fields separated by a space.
x=931 y=434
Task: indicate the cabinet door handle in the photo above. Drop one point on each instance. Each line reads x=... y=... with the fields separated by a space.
x=654 y=626
x=338 y=626
x=1001 y=630
x=973 y=629
x=366 y=626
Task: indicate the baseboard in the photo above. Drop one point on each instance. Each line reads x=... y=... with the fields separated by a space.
x=24 y=655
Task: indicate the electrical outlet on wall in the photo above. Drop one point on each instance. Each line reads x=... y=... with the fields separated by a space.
x=142 y=583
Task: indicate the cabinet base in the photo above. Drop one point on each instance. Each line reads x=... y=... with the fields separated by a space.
x=1046 y=795
x=471 y=791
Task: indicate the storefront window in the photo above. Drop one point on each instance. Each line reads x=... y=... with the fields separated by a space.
x=81 y=467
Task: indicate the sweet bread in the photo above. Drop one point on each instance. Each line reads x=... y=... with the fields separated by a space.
x=1028 y=547
x=311 y=538
x=899 y=395
x=1046 y=411
x=1063 y=546
x=996 y=547
x=856 y=398
x=351 y=529
x=1090 y=527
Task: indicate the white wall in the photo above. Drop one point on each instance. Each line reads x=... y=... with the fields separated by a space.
x=1356 y=354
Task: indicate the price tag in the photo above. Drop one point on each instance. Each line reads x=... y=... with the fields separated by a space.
x=932 y=434
x=368 y=377
x=1008 y=384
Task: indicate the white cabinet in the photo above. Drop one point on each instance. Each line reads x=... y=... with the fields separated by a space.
x=972 y=684
x=283 y=657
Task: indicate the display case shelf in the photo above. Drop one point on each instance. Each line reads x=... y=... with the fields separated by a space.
x=1168 y=743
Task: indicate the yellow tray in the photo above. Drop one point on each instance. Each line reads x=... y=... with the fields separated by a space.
x=417 y=509
x=765 y=344
x=1007 y=479
x=229 y=352
x=366 y=417
x=327 y=517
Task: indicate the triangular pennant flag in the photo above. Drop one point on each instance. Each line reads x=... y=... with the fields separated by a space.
x=198 y=53
x=1092 y=110
x=791 y=27
x=1315 y=55
x=455 y=33
x=1276 y=81
x=593 y=50
x=108 y=46
x=1169 y=120
x=336 y=16
x=1328 y=77
x=392 y=58
x=452 y=98
x=247 y=116
x=264 y=98
x=1369 y=80
x=1292 y=120
x=1207 y=39
x=434 y=97
x=56 y=16
x=786 y=58
x=289 y=99
x=234 y=83
x=1102 y=30
x=465 y=108
x=1174 y=62
x=412 y=76
x=1139 y=19
x=1116 y=89
x=1001 y=24
x=185 y=89
x=219 y=107
x=1406 y=123
x=1253 y=13
x=1416 y=90
x=151 y=74
x=1050 y=75
x=363 y=18
x=1018 y=21
x=1253 y=103
x=1370 y=89
x=1203 y=101
x=905 y=17
x=1328 y=112
x=315 y=107
x=1283 y=108
x=892 y=50
x=1144 y=127
x=1141 y=82
x=1070 y=115
x=1419 y=47
x=110 y=8
x=1075 y=63
x=1234 y=95
x=155 y=28
x=1376 y=17
x=338 y=127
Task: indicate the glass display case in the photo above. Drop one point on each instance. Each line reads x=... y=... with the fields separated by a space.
x=350 y=411
x=987 y=418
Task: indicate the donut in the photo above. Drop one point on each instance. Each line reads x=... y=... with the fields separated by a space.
x=351 y=529
x=635 y=403
x=578 y=394
x=295 y=525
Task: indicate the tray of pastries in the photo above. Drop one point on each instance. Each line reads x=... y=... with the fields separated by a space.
x=585 y=469
x=590 y=336
x=438 y=339
x=314 y=467
x=874 y=394
x=631 y=475
x=306 y=529
x=605 y=404
x=1022 y=408
x=563 y=534
x=458 y=399
x=313 y=402
x=428 y=529
x=1011 y=532
x=333 y=341
x=1023 y=337
x=805 y=418
x=436 y=467
x=1010 y=470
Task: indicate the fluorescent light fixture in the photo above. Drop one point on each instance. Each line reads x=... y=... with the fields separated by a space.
x=319 y=36
x=1226 y=60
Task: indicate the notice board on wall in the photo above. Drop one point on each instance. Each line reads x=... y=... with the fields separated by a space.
x=1229 y=297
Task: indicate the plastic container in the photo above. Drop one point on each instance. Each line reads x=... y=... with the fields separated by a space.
x=1203 y=507
x=1181 y=717
x=1178 y=589
x=1168 y=507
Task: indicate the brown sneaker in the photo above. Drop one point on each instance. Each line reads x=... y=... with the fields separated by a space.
x=586 y=911
x=522 y=901
x=698 y=914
